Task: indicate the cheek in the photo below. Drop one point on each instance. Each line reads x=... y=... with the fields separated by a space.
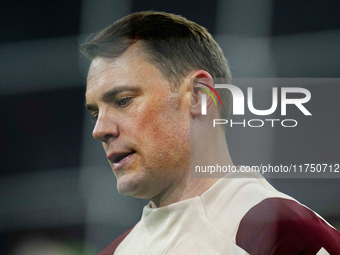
x=150 y=123
x=162 y=130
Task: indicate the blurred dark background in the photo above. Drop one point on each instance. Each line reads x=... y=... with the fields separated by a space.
x=57 y=192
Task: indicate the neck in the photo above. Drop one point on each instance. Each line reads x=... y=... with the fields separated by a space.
x=186 y=186
x=190 y=188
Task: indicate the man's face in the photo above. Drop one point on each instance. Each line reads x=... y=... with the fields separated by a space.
x=143 y=125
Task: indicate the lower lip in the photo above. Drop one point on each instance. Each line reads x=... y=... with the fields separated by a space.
x=123 y=162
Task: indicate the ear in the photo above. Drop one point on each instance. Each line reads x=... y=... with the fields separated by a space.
x=199 y=83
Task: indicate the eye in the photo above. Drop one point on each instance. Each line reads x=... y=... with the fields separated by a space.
x=94 y=117
x=123 y=102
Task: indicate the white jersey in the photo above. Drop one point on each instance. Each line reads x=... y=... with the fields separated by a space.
x=235 y=216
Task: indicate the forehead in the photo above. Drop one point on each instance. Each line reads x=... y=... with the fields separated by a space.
x=131 y=69
x=99 y=71
x=103 y=68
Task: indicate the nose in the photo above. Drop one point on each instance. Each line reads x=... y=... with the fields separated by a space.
x=106 y=127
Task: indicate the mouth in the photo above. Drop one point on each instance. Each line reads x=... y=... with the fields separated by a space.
x=119 y=159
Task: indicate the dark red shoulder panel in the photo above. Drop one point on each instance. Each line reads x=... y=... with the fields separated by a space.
x=282 y=226
x=109 y=250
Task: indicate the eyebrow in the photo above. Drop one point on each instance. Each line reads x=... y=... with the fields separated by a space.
x=112 y=93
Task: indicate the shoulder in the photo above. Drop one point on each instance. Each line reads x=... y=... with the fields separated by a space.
x=110 y=249
x=284 y=226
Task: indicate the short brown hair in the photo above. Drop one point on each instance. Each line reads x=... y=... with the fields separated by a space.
x=175 y=45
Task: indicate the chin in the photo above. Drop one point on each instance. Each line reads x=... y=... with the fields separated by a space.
x=131 y=185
